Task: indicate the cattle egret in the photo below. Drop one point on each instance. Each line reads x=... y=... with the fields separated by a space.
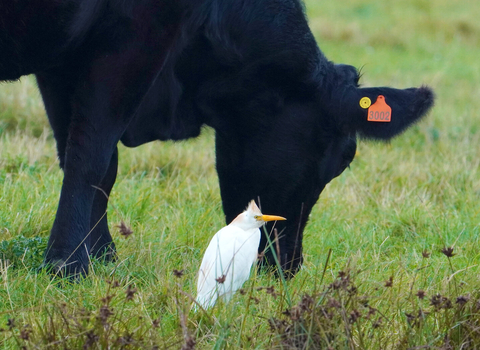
x=230 y=255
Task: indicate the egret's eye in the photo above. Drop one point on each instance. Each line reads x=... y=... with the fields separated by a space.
x=257 y=217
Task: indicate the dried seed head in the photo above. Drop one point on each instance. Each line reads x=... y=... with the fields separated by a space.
x=130 y=292
x=342 y=281
x=377 y=323
x=333 y=303
x=104 y=313
x=277 y=325
x=221 y=279
x=156 y=323
x=11 y=323
x=371 y=311
x=448 y=252
x=107 y=299
x=125 y=230
x=425 y=254
x=25 y=332
x=92 y=338
x=125 y=340
x=410 y=318
x=420 y=294
x=440 y=302
x=389 y=282
x=436 y=300
x=295 y=313
x=352 y=290
x=462 y=300
x=114 y=284
x=178 y=273
x=354 y=316
x=306 y=303
x=271 y=290
x=255 y=300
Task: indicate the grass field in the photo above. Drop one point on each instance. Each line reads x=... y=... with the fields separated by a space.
x=379 y=269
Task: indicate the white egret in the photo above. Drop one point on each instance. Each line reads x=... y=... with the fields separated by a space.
x=230 y=255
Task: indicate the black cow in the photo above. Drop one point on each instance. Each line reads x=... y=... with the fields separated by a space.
x=135 y=71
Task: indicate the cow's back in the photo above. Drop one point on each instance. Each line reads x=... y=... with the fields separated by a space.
x=33 y=35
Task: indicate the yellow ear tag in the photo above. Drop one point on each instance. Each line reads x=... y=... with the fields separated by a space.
x=365 y=102
x=380 y=111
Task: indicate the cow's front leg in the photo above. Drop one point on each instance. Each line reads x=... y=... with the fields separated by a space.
x=88 y=155
x=110 y=90
x=103 y=108
x=101 y=242
x=57 y=90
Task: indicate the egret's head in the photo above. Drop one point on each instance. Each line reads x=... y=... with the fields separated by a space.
x=252 y=217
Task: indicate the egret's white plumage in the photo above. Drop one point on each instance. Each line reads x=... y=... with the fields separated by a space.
x=230 y=255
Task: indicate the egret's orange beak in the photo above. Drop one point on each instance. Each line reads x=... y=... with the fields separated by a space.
x=272 y=218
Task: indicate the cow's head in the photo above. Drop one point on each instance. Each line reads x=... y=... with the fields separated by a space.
x=285 y=147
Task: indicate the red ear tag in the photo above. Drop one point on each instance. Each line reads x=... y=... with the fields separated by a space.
x=380 y=111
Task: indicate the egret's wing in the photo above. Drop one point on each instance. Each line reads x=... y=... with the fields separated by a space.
x=228 y=258
x=245 y=255
x=206 y=284
x=214 y=265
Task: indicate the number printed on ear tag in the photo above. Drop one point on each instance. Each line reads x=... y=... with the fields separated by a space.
x=380 y=111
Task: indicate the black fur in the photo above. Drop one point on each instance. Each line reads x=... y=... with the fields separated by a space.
x=285 y=117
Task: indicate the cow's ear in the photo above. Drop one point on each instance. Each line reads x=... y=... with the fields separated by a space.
x=401 y=107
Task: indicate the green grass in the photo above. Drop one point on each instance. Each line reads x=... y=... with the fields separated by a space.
x=419 y=193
